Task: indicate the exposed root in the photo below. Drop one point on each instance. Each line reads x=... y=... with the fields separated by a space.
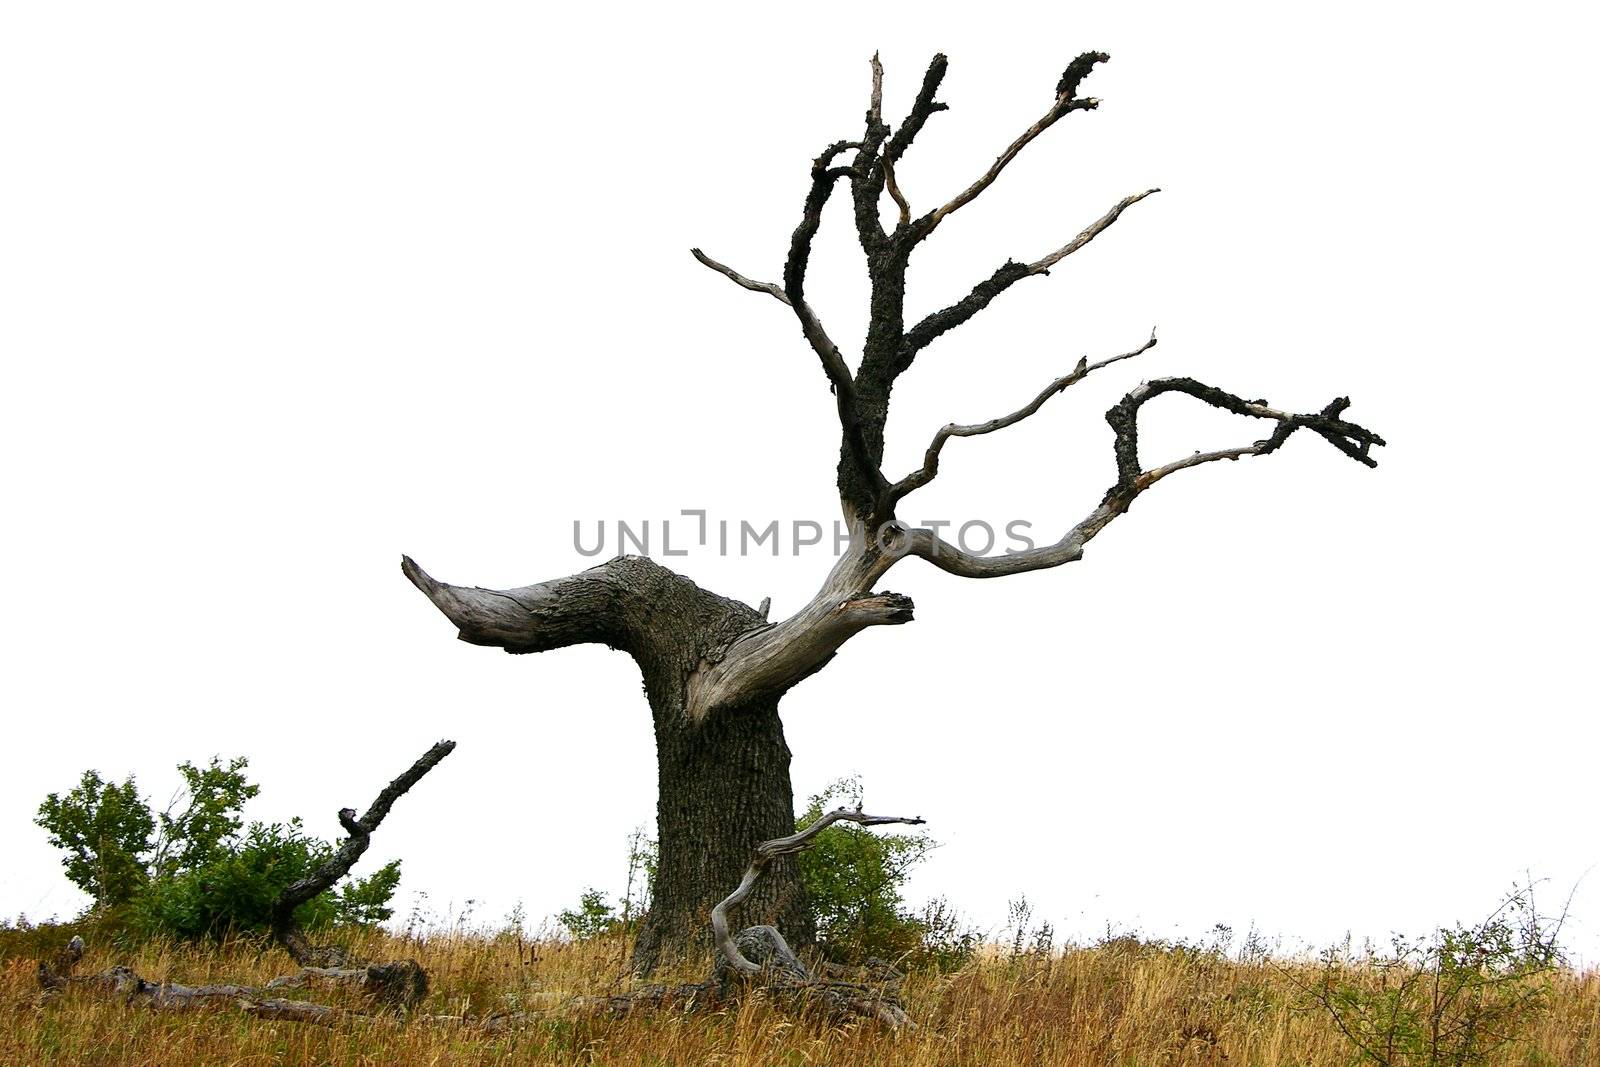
x=759 y=957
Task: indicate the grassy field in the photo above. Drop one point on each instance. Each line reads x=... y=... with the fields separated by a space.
x=1117 y=1003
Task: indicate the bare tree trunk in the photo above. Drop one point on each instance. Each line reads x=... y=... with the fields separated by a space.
x=723 y=773
x=723 y=787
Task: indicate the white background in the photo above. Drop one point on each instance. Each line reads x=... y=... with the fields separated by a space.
x=287 y=290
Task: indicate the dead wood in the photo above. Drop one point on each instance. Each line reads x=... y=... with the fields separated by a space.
x=758 y=957
x=287 y=930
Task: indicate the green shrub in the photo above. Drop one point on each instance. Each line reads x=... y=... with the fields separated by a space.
x=205 y=874
x=234 y=888
x=1459 y=997
x=105 y=830
x=595 y=915
x=854 y=880
x=203 y=816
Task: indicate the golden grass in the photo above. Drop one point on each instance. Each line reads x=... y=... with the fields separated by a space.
x=1116 y=1004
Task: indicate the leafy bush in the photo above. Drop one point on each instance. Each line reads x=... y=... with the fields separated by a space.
x=854 y=880
x=595 y=915
x=204 y=873
x=947 y=942
x=234 y=888
x=203 y=815
x=1459 y=997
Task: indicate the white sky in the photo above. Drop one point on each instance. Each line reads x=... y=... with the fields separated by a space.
x=288 y=290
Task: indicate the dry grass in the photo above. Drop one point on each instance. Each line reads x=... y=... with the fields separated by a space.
x=1121 y=1003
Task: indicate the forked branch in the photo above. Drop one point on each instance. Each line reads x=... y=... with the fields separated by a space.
x=874 y=164
x=1132 y=479
x=1353 y=440
x=824 y=176
x=862 y=396
x=1066 y=101
x=946 y=319
x=930 y=460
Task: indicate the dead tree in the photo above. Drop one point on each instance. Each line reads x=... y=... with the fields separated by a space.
x=715 y=669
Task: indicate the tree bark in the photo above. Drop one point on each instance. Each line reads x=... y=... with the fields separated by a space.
x=723 y=771
x=722 y=788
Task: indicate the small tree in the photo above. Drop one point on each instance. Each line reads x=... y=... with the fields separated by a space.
x=202 y=815
x=595 y=915
x=104 y=829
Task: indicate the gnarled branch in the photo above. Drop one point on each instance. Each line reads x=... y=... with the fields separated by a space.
x=387 y=987
x=944 y=320
x=1353 y=440
x=923 y=108
x=874 y=164
x=823 y=178
x=772 y=289
x=284 y=927
x=765 y=853
x=583 y=608
x=930 y=460
x=1066 y=101
x=779 y=967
